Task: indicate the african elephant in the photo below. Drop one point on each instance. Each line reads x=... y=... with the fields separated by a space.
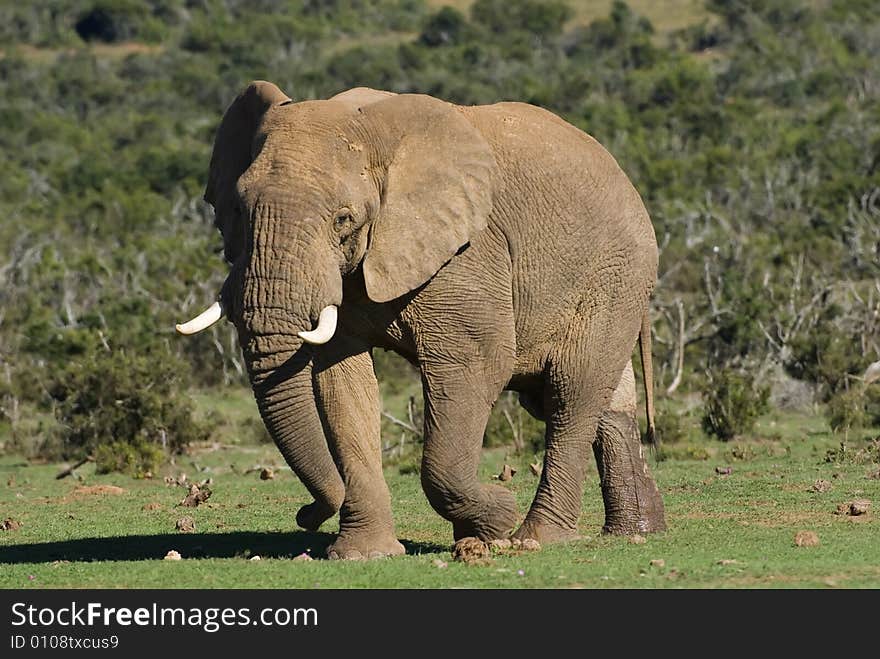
x=494 y=247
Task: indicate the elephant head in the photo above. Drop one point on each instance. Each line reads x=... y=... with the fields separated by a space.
x=307 y=193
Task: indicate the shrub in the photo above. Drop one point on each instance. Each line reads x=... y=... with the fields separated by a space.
x=126 y=410
x=733 y=402
x=848 y=409
x=137 y=458
x=669 y=427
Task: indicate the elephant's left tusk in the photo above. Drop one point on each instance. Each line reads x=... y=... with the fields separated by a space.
x=203 y=321
x=325 y=330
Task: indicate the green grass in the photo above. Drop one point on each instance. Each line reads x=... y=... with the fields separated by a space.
x=70 y=539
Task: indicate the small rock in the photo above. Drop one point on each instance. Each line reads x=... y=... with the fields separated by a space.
x=535 y=468
x=471 y=550
x=153 y=505
x=186 y=524
x=507 y=472
x=724 y=471
x=842 y=509
x=255 y=557
x=859 y=507
x=267 y=474
x=304 y=557
x=821 y=486
x=637 y=539
x=172 y=555
x=500 y=544
x=530 y=544
x=440 y=564
x=806 y=539
x=658 y=562
x=10 y=524
x=728 y=561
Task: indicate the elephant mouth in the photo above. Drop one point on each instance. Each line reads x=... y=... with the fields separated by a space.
x=321 y=334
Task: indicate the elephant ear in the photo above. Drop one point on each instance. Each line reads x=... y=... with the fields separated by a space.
x=436 y=193
x=233 y=144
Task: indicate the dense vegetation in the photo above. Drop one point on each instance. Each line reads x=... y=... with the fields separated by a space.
x=753 y=136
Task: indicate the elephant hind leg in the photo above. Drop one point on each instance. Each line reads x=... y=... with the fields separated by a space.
x=579 y=383
x=632 y=500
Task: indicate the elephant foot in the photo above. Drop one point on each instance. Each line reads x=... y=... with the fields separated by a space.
x=362 y=547
x=497 y=519
x=312 y=515
x=544 y=532
x=633 y=504
x=650 y=519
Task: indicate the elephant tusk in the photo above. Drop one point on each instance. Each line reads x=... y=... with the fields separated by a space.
x=203 y=321
x=326 y=327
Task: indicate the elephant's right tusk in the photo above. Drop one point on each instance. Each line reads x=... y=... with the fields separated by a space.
x=203 y=321
x=325 y=330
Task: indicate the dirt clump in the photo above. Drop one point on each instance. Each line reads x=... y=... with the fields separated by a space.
x=658 y=562
x=267 y=474
x=10 y=524
x=500 y=544
x=636 y=539
x=185 y=524
x=471 y=551
x=507 y=472
x=86 y=490
x=859 y=507
x=821 y=485
x=530 y=544
x=153 y=505
x=195 y=496
x=535 y=468
x=854 y=508
x=806 y=539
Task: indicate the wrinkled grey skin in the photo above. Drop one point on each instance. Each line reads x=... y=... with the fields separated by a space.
x=493 y=247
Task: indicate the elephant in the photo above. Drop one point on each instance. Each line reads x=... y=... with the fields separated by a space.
x=494 y=247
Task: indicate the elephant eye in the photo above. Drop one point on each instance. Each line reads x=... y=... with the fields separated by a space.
x=341 y=220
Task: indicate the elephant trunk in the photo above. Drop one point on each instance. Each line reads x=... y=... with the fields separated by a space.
x=286 y=400
x=274 y=305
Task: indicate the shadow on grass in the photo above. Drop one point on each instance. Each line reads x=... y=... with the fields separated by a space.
x=194 y=545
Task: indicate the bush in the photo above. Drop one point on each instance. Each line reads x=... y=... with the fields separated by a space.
x=137 y=458
x=126 y=410
x=733 y=402
x=853 y=408
x=669 y=427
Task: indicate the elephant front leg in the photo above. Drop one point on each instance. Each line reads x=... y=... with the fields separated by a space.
x=456 y=413
x=632 y=500
x=348 y=401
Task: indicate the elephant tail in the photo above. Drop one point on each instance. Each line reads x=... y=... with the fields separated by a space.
x=648 y=377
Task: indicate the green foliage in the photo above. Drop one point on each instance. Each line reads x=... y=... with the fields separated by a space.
x=670 y=426
x=125 y=409
x=753 y=138
x=138 y=458
x=732 y=404
x=846 y=410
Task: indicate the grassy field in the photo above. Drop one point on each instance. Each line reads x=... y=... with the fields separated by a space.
x=726 y=531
